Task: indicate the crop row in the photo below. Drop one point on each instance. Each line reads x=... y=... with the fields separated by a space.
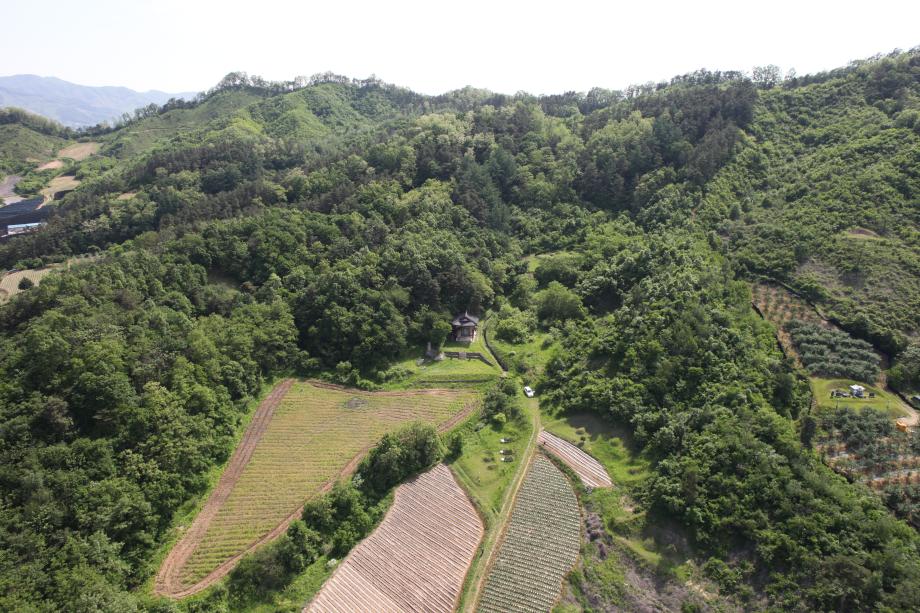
x=416 y=559
x=314 y=433
x=541 y=544
x=590 y=471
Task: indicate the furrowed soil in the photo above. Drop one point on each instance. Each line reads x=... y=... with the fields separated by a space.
x=589 y=470
x=303 y=438
x=416 y=559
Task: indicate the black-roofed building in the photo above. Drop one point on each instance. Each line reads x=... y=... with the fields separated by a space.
x=464 y=328
x=23 y=213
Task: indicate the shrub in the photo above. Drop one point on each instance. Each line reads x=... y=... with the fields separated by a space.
x=273 y=566
x=513 y=325
x=500 y=399
x=562 y=268
x=26 y=283
x=399 y=455
x=455 y=445
x=558 y=303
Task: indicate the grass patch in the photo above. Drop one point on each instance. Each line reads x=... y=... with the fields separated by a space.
x=885 y=402
x=480 y=468
x=527 y=359
x=610 y=444
x=445 y=371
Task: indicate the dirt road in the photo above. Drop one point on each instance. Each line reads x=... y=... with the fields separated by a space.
x=168 y=582
x=7 y=195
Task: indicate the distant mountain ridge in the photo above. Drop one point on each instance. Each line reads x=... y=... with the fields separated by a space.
x=72 y=104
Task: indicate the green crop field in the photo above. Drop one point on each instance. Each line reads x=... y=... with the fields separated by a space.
x=540 y=547
x=314 y=433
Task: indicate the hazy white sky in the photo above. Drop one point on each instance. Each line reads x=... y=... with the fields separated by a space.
x=433 y=47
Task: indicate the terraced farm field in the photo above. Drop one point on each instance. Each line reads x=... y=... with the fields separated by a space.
x=540 y=547
x=416 y=559
x=300 y=441
x=9 y=284
x=779 y=306
x=589 y=470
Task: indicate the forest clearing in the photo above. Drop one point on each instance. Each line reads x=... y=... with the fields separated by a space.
x=63 y=183
x=266 y=483
x=588 y=469
x=9 y=283
x=79 y=151
x=540 y=545
x=416 y=559
x=52 y=165
x=7 y=187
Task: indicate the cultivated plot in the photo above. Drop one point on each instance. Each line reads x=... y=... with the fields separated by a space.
x=79 y=151
x=589 y=470
x=9 y=284
x=416 y=560
x=300 y=441
x=540 y=546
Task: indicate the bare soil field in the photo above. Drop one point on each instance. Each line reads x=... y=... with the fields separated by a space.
x=79 y=151
x=418 y=557
x=59 y=184
x=862 y=233
x=7 y=195
x=589 y=470
x=52 y=165
x=303 y=438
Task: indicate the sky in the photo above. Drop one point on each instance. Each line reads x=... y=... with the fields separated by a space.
x=433 y=47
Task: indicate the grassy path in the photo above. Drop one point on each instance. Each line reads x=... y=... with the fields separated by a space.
x=492 y=539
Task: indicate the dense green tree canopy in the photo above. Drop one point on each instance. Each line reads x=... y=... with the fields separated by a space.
x=331 y=227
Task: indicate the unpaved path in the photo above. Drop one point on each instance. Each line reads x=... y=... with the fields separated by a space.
x=912 y=419
x=168 y=582
x=7 y=187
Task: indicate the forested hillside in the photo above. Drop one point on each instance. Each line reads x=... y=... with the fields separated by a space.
x=825 y=196
x=326 y=228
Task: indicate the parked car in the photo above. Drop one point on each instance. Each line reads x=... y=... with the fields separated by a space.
x=528 y=391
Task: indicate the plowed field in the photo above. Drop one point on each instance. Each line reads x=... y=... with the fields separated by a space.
x=589 y=470
x=416 y=559
x=300 y=441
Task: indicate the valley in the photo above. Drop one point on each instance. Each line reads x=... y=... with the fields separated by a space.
x=334 y=344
